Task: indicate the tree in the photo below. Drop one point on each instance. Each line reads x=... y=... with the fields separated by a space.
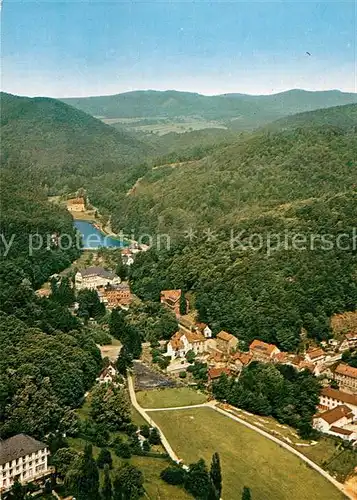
x=216 y=474
x=173 y=475
x=82 y=480
x=63 y=460
x=123 y=450
x=146 y=446
x=17 y=491
x=121 y=270
x=246 y=493
x=110 y=406
x=124 y=361
x=128 y=483
x=104 y=458
x=198 y=482
x=154 y=436
x=145 y=431
x=106 y=492
x=183 y=303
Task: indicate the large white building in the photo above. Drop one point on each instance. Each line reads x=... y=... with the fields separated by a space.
x=93 y=278
x=22 y=458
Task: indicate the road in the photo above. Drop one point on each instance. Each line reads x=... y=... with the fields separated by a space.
x=213 y=406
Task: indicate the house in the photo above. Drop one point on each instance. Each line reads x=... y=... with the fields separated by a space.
x=22 y=458
x=204 y=329
x=171 y=299
x=330 y=398
x=43 y=292
x=76 y=204
x=182 y=342
x=217 y=359
x=346 y=377
x=215 y=373
x=117 y=296
x=127 y=256
x=107 y=375
x=239 y=360
x=334 y=421
x=95 y=277
x=226 y=342
x=261 y=351
x=315 y=355
x=349 y=342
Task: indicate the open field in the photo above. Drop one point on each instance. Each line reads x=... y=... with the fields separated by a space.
x=248 y=459
x=167 y=398
x=326 y=452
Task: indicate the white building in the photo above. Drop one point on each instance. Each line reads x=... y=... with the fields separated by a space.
x=22 y=458
x=330 y=398
x=95 y=277
x=182 y=342
x=315 y=355
x=335 y=422
x=108 y=375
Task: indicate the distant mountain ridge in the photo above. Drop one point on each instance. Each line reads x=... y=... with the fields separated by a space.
x=242 y=111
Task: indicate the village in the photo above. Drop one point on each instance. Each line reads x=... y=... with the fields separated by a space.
x=336 y=414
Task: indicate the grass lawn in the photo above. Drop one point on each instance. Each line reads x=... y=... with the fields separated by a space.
x=247 y=458
x=167 y=398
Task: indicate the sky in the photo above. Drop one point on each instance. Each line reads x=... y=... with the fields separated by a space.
x=81 y=48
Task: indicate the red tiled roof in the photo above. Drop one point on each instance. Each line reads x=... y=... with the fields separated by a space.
x=244 y=357
x=225 y=336
x=346 y=370
x=331 y=416
x=217 y=372
x=173 y=295
x=345 y=397
x=75 y=201
x=339 y=430
x=351 y=335
x=262 y=347
x=281 y=357
x=315 y=352
x=195 y=337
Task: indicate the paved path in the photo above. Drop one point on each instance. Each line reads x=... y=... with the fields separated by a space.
x=146 y=417
x=213 y=404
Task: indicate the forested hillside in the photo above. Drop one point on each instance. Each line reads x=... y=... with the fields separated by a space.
x=242 y=112
x=68 y=148
x=257 y=229
x=47 y=362
x=257 y=173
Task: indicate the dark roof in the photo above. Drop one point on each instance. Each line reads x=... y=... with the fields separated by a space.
x=97 y=271
x=18 y=446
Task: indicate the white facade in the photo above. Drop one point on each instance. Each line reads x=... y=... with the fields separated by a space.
x=337 y=398
x=94 y=278
x=207 y=332
x=181 y=343
x=26 y=469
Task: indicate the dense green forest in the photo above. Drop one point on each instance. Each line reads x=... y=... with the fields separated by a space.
x=47 y=362
x=66 y=147
x=240 y=111
x=257 y=173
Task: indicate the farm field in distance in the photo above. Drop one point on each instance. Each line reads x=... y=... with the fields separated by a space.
x=247 y=458
x=169 y=398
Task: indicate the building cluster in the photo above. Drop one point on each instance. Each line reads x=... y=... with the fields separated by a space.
x=22 y=459
x=171 y=299
x=76 y=204
x=337 y=414
x=112 y=292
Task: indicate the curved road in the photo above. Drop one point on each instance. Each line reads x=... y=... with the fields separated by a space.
x=212 y=404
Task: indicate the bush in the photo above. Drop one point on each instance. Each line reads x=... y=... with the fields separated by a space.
x=145 y=431
x=154 y=436
x=173 y=475
x=183 y=374
x=104 y=457
x=163 y=363
x=146 y=446
x=123 y=450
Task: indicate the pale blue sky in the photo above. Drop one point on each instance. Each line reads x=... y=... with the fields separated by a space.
x=78 y=48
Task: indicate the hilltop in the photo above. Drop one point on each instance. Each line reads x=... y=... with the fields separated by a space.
x=239 y=111
x=64 y=144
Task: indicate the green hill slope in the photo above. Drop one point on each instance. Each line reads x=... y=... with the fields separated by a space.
x=257 y=230
x=255 y=174
x=65 y=145
x=241 y=111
